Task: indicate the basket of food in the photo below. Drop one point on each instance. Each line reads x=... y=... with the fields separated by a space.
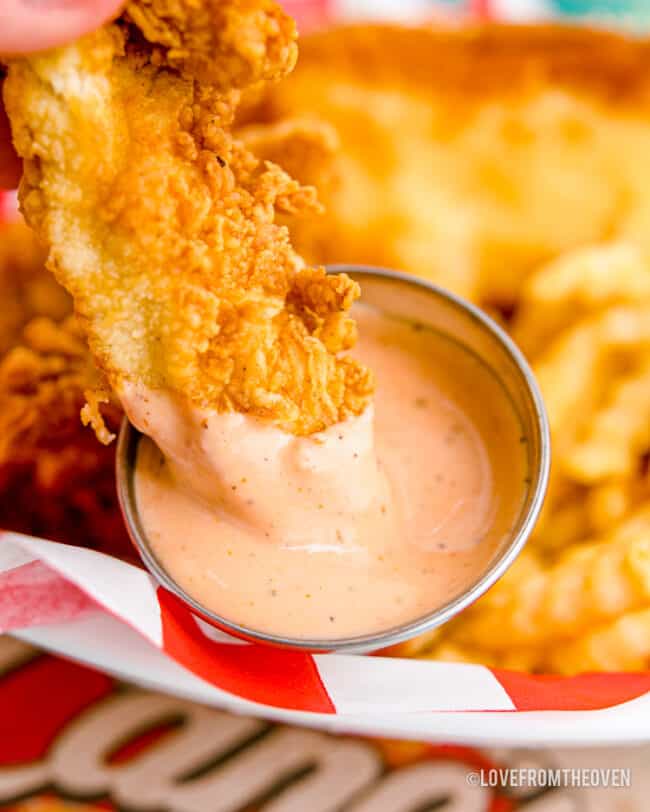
x=374 y=332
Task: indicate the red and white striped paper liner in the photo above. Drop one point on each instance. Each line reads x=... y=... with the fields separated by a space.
x=111 y=614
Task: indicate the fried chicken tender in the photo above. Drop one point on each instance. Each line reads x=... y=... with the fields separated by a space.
x=56 y=480
x=225 y=44
x=162 y=225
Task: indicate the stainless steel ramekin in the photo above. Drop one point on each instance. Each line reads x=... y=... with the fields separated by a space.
x=406 y=297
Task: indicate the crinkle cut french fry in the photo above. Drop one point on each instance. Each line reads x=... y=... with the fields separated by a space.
x=589 y=586
x=607 y=504
x=578 y=284
x=623 y=645
x=561 y=526
x=451 y=652
x=566 y=376
x=525 y=567
x=516 y=659
x=575 y=372
x=617 y=435
x=521 y=659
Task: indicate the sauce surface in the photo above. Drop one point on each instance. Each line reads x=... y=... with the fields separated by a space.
x=373 y=523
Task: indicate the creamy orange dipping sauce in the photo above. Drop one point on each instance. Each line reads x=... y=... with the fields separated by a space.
x=369 y=525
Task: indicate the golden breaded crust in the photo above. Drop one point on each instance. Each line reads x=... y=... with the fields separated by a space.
x=42 y=384
x=56 y=480
x=162 y=225
x=229 y=44
x=304 y=147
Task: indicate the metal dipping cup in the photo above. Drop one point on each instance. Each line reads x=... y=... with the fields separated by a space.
x=413 y=299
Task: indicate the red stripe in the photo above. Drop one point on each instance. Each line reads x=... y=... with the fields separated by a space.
x=37 y=699
x=583 y=692
x=33 y=594
x=276 y=677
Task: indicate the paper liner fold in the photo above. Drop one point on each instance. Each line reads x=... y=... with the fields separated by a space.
x=95 y=608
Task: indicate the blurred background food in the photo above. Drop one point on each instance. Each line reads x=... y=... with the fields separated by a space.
x=471 y=156
x=56 y=479
x=510 y=165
